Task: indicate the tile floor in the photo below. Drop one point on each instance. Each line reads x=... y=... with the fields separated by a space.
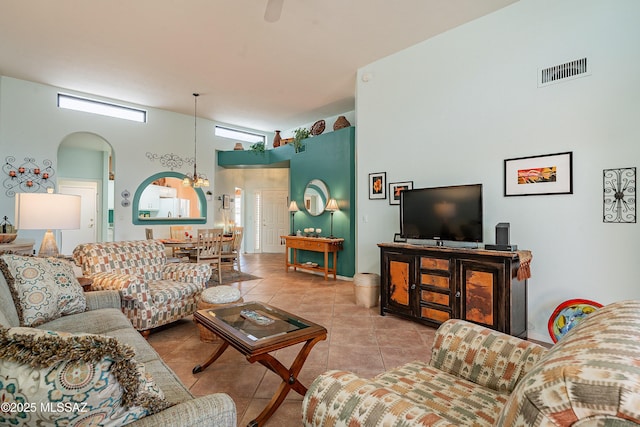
x=359 y=340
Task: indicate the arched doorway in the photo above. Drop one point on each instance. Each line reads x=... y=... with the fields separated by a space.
x=85 y=167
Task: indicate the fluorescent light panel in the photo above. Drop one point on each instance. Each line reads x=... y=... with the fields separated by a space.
x=238 y=135
x=103 y=108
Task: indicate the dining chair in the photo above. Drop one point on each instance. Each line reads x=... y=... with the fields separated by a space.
x=208 y=249
x=231 y=256
x=180 y=232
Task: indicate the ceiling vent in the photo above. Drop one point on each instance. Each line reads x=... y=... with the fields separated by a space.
x=563 y=72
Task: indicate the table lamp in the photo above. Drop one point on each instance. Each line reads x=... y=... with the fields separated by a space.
x=332 y=206
x=293 y=208
x=47 y=211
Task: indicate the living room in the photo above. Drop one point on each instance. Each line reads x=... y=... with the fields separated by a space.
x=447 y=111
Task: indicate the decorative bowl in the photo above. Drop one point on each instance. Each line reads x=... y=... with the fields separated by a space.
x=8 y=237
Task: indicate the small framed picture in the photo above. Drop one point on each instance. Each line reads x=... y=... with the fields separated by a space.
x=395 y=188
x=378 y=185
x=226 y=201
x=539 y=175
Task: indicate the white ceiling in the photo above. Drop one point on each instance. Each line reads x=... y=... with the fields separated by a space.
x=249 y=72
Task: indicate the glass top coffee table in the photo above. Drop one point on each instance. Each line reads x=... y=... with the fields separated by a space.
x=256 y=329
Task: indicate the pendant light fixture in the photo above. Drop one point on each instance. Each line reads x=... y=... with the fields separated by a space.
x=196 y=180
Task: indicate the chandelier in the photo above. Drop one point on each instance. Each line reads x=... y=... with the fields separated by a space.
x=196 y=180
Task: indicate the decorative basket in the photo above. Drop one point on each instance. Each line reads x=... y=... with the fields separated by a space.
x=8 y=237
x=205 y=334
x=8 y=232
x=342 y=122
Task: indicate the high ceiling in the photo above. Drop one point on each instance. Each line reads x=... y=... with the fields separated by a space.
x=249 y=72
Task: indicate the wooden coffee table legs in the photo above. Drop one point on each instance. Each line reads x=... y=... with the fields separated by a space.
x=289 y=376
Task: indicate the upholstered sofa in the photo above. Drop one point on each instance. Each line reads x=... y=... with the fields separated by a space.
x=153 y=291
x=479 y=377
x=73 y=358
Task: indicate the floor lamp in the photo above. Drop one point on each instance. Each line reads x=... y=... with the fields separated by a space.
x=332 y=206
x=47 y=211
x=293 y=208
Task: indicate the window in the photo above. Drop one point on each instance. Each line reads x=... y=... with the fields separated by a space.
x=239 y=135
x=99 y=107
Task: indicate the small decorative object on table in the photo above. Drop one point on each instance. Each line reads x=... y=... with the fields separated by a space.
x=8 y=232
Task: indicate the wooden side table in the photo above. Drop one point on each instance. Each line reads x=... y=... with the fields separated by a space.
x=314 y=244
x=19 y=246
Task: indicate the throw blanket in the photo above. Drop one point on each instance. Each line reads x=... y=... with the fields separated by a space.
x=524 y=271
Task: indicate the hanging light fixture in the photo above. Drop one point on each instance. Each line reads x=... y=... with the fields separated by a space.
x=196 y=180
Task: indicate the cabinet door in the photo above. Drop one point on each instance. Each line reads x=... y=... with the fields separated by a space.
x=480 y=293
x=398 y=292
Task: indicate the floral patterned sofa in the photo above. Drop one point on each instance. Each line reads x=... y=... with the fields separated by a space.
x=153 y=291
x=479 y=377
x=69 y=358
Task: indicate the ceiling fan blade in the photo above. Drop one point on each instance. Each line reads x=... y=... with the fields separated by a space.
x=273 y=10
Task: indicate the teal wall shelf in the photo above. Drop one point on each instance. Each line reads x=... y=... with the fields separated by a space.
x=329 y=157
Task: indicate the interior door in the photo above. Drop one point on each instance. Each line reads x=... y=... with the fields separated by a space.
x=88 y=231
x=275 y=220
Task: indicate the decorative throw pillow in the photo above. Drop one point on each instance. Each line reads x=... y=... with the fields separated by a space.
x=57 y=378
x=43 y=289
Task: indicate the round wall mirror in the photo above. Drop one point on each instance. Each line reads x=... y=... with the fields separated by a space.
x=316 y=196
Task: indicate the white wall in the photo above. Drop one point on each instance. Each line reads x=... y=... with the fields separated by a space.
x=31 y=125
x=451 y=109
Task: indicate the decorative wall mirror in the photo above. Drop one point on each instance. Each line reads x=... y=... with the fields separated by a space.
x=162 y=199
x=316 y=196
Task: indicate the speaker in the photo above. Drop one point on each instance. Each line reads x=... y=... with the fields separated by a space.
x=502 y=239
x=502 y=233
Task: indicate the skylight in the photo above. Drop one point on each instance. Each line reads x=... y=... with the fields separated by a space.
x=103 y=108
x=239 y=135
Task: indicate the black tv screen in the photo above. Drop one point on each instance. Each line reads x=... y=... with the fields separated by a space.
x=442 y=213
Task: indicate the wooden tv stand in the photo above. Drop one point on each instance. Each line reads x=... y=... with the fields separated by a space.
x=314 y=244
x=431 y=284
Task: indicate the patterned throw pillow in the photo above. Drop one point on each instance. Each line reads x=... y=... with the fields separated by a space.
x=43 y=289
x=57 y=378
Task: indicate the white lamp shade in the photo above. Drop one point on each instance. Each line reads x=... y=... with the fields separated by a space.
x=47 y=211
x=293 y=206
x=332 y=205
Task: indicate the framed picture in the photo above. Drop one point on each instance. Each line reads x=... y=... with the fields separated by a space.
x=226 y=201
x=378 y=185
x=395 y=188
x=539 y=175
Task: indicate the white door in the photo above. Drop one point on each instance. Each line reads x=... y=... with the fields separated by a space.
x=88 y=231
x=275 y=220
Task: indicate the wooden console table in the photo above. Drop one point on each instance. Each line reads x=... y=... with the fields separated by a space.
x=314 y=244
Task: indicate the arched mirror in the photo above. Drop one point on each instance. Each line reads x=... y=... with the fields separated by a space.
x=162 y=199
x=316 y=196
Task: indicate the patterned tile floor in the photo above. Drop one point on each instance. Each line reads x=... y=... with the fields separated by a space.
x=359 y=340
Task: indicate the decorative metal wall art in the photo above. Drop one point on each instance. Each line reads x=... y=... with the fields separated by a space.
x=27 y=177
x=170 y=160
x=619 y=187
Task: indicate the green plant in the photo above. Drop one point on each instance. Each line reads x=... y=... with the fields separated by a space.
x=298 y=135
x=258 y=147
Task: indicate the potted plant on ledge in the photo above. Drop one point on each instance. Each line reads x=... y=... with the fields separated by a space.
x=298 y=135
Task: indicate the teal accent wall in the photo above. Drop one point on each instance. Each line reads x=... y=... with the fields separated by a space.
x=329 y=157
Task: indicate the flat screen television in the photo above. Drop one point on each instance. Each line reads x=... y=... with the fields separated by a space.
x=442 y=213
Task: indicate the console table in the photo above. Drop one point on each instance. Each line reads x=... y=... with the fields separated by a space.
x=314 y=244
x=19 y=246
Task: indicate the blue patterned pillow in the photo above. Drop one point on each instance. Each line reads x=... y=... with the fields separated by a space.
x=57 y=378
x=43 y=289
